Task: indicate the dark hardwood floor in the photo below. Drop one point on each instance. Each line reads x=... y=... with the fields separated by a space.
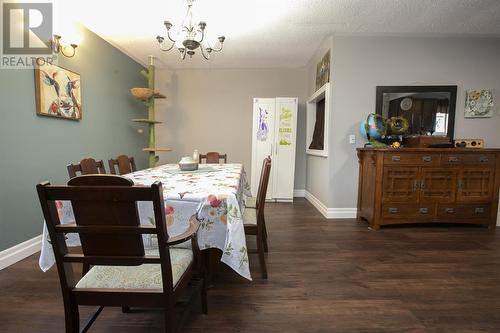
x=324 y=276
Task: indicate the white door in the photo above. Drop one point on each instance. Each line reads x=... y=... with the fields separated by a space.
x=262 y=139
x=283 y=164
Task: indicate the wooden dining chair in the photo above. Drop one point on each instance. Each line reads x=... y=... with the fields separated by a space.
x=252 y=202
x=123 y=273
x=87 y=166
x=124 y=163
x=213 y=157
x=253 y=219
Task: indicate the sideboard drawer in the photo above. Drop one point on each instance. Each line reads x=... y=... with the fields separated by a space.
x=473 y=158
x=400 y=211
x=467 y=211
x=402 y=158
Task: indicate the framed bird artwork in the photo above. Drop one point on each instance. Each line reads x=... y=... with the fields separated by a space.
x=58 y=92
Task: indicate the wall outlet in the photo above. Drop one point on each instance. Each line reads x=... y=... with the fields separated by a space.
x=352 y=139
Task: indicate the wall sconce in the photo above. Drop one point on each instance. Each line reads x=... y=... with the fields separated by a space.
x=59 y=47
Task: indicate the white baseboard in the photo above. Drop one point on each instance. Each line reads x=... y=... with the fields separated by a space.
x=316 y=203
x=299 y=193
x=330 y=213
x=342 y=213
x=20 y=251
x=280 y=200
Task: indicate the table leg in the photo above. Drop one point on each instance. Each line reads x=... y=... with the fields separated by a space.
x=212 y=262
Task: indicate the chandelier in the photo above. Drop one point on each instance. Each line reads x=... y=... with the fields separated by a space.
x=190 y=37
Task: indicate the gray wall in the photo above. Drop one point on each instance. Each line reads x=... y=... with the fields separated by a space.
x=35 y=148
x=211 y=110
x=318 y=176
x=361 y=63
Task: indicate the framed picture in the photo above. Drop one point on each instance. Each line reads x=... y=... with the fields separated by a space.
x=478 y=103
x=58 y=92
x=323 y=71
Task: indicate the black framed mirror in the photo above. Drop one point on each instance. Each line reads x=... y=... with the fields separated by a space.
x=430 y=110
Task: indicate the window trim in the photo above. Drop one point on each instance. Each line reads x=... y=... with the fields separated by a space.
x=322 y=93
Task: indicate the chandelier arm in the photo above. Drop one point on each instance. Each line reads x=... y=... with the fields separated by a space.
x=183 y=54
x=219 y=49
x=207 y=57
x=168 y=35
x=168 y=49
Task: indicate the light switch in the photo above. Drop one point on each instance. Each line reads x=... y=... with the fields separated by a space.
x=352 y=139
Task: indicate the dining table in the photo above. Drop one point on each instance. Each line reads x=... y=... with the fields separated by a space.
x=215 y=193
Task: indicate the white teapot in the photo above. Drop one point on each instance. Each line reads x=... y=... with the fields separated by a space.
x=187 y=163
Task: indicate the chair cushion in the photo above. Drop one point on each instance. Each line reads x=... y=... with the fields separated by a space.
x=251 y=202
x=145 y=276
x=250 y=216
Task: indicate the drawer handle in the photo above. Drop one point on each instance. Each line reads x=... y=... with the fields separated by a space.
x=483 y=159
x=427 y=158
x=450 y=210
x=479 y=210
x=396 y=158
x=453 y=159
x=424 y=210
x=393 y=210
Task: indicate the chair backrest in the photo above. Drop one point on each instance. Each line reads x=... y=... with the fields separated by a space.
x=124 y=163
x=261 y=192
x=213 y=157
x=87 y=166
x=107 y=221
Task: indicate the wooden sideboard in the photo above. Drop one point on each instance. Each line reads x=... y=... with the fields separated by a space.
x=428 y=185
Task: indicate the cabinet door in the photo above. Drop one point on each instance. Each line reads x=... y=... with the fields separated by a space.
x=262 y=140
x=283 y=164
x=437 y=185
x=475 y=185
x=400 y=184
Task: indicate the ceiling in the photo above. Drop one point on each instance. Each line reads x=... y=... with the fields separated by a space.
x=276 y=33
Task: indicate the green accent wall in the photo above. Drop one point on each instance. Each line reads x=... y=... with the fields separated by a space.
x=35 y=148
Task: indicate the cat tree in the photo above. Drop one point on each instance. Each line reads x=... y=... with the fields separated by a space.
x=148 y=97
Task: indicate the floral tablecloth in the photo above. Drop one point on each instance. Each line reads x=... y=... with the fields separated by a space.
x=215 y=192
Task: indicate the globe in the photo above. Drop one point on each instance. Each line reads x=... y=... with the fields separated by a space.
x=375 y=126
x=362 y=129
